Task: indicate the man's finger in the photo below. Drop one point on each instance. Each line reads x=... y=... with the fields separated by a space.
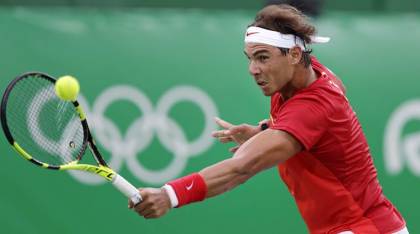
x=130 y=203
x=150 y=216
x=145 y=209
x=144 y=204
x=142 y=207
x=147 y=213
x=220 y=133
x=234 y=149
x=222 y=123
x=225 y=139
x=237 y=129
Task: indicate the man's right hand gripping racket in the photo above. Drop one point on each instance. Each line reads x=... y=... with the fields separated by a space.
x=52 y=133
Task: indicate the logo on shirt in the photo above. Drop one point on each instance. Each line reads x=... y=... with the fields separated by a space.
x=402 y=143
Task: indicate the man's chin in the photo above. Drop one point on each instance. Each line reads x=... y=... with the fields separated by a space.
x=267 y=94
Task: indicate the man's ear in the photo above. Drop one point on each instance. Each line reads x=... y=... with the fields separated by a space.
x=295 y=55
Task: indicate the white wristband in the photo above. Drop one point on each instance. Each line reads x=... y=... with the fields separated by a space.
x=172 y=195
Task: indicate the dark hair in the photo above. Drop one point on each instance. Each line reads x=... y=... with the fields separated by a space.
x=286 y=19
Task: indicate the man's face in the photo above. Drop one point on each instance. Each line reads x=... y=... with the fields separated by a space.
x=271 y=70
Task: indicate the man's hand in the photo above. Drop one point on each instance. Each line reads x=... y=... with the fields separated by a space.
x=236 y=133
x=155 y=203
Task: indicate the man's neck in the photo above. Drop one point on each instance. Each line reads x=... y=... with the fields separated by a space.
x=302 y=78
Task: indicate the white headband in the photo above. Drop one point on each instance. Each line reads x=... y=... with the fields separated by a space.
x=277 y=39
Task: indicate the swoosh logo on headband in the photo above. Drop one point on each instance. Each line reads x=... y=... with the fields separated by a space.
x=250 y=33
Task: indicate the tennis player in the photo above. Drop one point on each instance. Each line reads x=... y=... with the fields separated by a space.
x=313 y=136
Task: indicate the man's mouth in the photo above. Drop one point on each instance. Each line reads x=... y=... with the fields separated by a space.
x=261 y=83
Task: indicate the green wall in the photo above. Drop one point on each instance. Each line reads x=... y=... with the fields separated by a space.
x=355 y=5
x=154 y=52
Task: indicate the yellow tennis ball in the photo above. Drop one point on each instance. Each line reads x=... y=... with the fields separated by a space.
x=67 y=88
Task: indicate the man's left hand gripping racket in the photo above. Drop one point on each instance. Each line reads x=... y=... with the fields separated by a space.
x=50 y=132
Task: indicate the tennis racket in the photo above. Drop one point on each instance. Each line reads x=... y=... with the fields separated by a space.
x=52 y=133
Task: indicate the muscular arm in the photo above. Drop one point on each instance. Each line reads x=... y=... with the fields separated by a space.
x=262 y=151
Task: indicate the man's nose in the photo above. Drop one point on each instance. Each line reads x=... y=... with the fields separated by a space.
x=253 y=69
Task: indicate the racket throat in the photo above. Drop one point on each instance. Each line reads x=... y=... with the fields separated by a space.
x=95 y=152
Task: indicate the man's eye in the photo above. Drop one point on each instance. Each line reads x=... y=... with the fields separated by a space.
x=262 y=58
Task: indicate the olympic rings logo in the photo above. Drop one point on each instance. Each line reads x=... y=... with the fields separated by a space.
x=398 y=149
x=154 y=122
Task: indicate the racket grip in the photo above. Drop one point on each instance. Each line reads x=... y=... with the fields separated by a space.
x=127 y=189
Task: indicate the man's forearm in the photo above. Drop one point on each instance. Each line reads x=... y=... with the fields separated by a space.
x=224 y=176
x=265 y=150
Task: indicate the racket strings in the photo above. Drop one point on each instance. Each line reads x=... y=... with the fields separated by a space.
x=46 y=127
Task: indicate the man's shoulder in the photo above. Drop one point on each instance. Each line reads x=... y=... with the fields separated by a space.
x=325 y=71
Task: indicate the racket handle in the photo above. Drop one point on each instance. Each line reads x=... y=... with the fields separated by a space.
x=127 y=189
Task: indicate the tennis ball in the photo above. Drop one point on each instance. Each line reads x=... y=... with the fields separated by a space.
x=67 y=88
